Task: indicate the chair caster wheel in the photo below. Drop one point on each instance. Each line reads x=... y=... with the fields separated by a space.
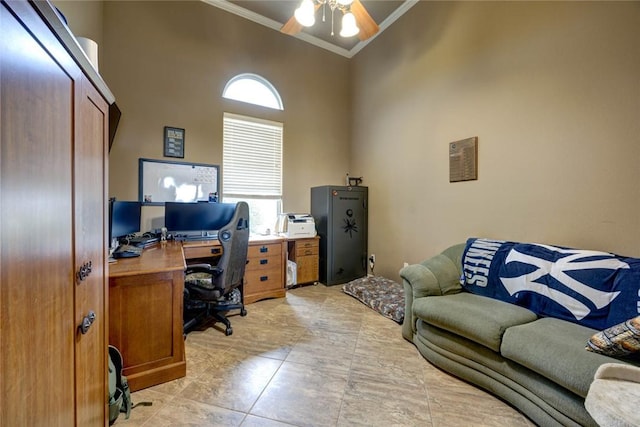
x=228 y=331
x=243 y=312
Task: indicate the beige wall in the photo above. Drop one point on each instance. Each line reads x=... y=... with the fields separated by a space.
x=552 y=92
x=84 y=18
x=551 y=89
x=167 y=64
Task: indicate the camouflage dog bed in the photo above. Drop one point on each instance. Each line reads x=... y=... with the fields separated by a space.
x=382 y=295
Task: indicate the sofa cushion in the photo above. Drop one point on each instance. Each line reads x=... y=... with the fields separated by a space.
x=555 y=349
x=480 y=319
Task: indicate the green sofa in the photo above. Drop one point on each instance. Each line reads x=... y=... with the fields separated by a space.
x=539 y=365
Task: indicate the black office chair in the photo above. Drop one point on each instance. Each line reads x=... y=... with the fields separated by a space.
x=213 y=291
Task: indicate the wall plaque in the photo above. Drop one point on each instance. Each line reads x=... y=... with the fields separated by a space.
x=173 y=142
x=463 y=160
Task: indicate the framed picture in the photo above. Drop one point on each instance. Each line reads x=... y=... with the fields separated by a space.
x=173 y=142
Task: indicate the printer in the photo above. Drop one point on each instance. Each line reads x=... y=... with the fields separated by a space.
x=295 y=225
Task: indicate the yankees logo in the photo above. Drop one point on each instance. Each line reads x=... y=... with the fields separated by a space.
x=574 y=260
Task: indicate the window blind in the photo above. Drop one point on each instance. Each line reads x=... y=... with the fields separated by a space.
x=251 y=156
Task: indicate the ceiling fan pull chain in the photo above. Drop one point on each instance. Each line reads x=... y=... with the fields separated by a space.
x=324 y=8
x=331 y=22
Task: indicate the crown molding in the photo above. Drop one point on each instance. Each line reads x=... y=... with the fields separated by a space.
x=275 y=25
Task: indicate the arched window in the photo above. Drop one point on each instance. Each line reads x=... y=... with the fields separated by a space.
x=253 y=89
x=252 y=153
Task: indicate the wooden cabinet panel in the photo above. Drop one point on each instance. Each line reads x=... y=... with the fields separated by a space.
x=145 y=315
x=305 y=253
x=53 y=132
x=307 y=269
x=36 y=295
x=143 y=322
x=90 y=154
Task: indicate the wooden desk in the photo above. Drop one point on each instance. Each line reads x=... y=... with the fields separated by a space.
x=146 y=295
x=265 y=272
x=145 y=314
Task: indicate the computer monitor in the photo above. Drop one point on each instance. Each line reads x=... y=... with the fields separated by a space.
x=197 y=220
x=124 y=219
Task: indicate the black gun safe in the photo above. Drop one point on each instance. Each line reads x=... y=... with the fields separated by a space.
x=340 y=214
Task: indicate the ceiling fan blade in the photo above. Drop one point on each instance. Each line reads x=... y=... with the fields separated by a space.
x=367 y=25
x=292 y=26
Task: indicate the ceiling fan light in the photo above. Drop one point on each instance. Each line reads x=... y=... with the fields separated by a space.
x=349 y=26
x=345 y=2
x=305 y=14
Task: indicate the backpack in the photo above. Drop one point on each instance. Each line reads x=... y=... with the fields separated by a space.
x=119 y=394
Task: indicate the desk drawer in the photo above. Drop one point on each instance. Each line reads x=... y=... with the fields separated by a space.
x=257 y=281
x=257 y=251
x=263 y=262
x=191 y=252
x=307 y=248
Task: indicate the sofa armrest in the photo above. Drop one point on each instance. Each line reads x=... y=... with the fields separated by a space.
x=439 y=275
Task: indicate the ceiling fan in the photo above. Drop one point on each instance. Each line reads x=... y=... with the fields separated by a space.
x=355 y=19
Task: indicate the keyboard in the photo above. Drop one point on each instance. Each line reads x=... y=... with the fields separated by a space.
x=189 y=237
x=143 y=241
x=127 y=251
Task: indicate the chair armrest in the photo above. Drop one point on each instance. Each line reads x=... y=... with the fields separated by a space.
x=201 y=282
x=439 y=275
x=200 y=267
x=203 y=268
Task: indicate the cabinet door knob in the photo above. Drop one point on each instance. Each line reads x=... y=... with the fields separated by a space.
x=84 y=271
x=87 y=321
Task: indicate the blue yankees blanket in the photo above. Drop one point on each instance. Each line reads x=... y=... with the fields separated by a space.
x=591 y=288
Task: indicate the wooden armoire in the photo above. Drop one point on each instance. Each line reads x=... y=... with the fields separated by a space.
x=53 y=239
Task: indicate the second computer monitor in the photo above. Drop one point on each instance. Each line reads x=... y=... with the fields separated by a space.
x=124 y=218
x=193 y=220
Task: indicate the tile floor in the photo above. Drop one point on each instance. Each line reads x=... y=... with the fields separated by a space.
x=315 y=358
